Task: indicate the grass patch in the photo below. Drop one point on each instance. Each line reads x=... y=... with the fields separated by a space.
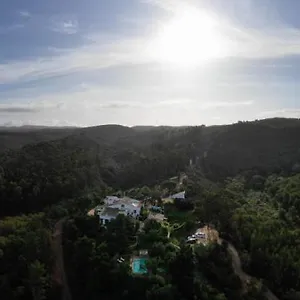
x=180 y=216
x=177 y=216
x=167 y=201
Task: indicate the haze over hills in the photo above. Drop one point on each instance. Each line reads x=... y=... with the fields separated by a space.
x=16 y=137
x=121 y=157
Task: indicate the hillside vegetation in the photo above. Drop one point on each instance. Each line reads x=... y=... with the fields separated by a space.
x=45 y=173
x=241 y=178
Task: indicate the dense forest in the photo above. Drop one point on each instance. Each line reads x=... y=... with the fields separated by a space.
x=242 y=179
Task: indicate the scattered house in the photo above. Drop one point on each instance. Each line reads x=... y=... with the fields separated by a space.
x=179 y=196
x=114 y=206
x=131 y=207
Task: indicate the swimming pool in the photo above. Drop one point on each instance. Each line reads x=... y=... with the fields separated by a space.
x=139 y=265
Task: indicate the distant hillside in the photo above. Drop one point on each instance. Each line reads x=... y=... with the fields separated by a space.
x=33 y=127
x=71 y=160
x=265 y=146
x=17 y=137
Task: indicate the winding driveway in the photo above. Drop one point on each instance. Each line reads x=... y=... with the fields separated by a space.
x=60 y=273
x=244 y=277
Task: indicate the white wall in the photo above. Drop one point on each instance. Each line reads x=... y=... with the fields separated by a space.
x=104 y=218
x=129 y=208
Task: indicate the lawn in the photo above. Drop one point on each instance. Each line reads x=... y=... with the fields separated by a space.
x=168 y=201
x=178 y=216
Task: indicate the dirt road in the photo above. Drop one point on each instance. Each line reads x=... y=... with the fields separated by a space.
x=244 y=277
x=59 y=271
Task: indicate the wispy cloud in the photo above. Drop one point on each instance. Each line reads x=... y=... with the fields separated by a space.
x=93 y=104
x=218 y=104
x=98 y=55
x=89 y=97
x=103 y=51
x=64 y=25
x=8 y=29
x=25 y=14
x=15 y=108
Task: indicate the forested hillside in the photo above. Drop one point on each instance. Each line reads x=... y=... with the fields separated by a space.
x=241 y=178
x=45 y=173
x=260 y=215
x=17 y=137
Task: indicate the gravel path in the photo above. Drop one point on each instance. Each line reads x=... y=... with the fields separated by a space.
x=60 y=273
x=245 y=278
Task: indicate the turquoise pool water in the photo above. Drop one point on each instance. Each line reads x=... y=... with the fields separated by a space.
x=139 y=265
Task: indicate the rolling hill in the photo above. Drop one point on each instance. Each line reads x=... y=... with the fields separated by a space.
x=58 y=163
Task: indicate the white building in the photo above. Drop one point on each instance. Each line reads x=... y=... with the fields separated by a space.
x=115 y=206
x=180 y=196
x=130 y=207
x=108 y=214
x=111 y=200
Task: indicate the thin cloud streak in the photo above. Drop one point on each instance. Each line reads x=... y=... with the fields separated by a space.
x=92 y=98
x=64 y=25
x=113 y=52
x=17 y=109
x=219 y=104
x=8 y=29
x=96 y=56
x=103 y=51
x=284 y=112
x=25 y=14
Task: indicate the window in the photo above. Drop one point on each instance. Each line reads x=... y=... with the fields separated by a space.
x=106 y=221
x=134 y=211
x=122 y=205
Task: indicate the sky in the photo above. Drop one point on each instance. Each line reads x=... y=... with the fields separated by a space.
x=148 y=62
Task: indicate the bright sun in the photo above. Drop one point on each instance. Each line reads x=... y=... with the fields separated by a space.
x=190 y=38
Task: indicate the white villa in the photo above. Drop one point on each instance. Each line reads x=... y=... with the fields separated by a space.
x=114 y=206
x=111 y=200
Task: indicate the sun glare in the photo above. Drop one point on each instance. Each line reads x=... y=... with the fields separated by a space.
x=189 y=38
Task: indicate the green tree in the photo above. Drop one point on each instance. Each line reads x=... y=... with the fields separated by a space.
x=38 y=280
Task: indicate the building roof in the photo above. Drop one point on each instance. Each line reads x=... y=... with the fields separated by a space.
x=180 y=195
x=113 y=198
x=129 y=201
x=110 y=211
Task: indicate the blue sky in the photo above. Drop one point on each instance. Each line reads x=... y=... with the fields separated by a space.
x=73 y=62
